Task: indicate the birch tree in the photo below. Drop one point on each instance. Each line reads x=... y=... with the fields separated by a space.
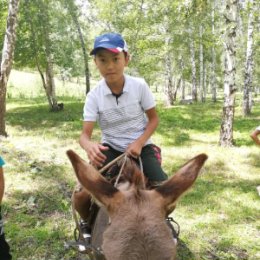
x=193 y=67
x=74 y=14
x=168 y=87
x=226 y=130
x=213 y=54
x=48 y=82
x=7 y=59
x=247 y=93
x=201 y=61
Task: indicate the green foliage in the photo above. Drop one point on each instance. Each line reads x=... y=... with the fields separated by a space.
x=153 y=32
x=3 y=16
x=47 y=26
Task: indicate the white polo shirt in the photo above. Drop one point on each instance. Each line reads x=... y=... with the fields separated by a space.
x=122 y=120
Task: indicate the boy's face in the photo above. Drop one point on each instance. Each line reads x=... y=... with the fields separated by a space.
x=111 y=65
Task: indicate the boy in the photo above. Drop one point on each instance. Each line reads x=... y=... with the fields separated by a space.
x=254 y=135
x=125 y=110
x=4 y=247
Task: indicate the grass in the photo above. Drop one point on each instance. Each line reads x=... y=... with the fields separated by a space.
x=219 y=217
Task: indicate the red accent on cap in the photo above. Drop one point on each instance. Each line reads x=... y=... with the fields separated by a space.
x=113 y=50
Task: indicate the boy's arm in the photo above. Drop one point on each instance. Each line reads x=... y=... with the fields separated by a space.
x=254 y=136
x=2 y=184
x=135 y=148
x=94 y=150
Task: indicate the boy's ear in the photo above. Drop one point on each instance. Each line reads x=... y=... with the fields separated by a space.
x=127 y=58
x=170 y=191
x=95 y=183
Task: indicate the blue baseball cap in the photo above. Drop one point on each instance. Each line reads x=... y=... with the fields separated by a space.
x=113 y=42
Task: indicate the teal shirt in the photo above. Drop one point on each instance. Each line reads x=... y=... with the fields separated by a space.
x=2 y=162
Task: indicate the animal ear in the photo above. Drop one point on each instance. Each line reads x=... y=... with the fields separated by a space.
x=172 y=189
x=94 y=182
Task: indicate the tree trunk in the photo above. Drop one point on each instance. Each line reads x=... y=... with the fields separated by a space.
x=50 y=86
x=176 y=88
x=183 y=90
x=205 y=80
x=85 y=56
x=44 y=85
x=49 y=83
x=202 y=87
x=35 y=49
x=182 y=79
x=168 y=89
x=72 y=10
x=7 y=59
x=226 y=130
x=193 y=68
x=213 y=54
x=249 y=63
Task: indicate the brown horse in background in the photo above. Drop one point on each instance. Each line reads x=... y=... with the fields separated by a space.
x=135 y=226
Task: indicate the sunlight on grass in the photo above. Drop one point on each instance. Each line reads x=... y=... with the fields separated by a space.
x=24 y=84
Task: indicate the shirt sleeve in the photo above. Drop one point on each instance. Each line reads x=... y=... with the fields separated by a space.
x=2 y=162
x=90 y=111
x=147 y=98
x=258 y=128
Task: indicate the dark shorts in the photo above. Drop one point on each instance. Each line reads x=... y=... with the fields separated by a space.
x=4 y=247
x=151 y=160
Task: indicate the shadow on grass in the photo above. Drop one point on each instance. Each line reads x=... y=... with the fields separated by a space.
x=177 y=121
x=254 y=160
x=183 y=251
x=223 y=196
x=36 y=116
x=52 y=182
x=39 y=218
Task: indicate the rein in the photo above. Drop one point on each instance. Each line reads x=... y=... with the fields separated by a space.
x=121 y=170
x=122 y=167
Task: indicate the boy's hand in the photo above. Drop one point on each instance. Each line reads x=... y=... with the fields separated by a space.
x=134 y=149
x=95 y=155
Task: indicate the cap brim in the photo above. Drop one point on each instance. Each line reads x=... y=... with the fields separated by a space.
x=94 y=51
x=110 y=47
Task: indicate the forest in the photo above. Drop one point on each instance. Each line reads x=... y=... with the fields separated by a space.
x=201 y=60
x=185 y=49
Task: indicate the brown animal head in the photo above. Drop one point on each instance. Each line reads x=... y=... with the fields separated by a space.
x=138 y=230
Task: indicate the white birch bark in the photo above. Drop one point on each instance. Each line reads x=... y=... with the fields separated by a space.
x=50 y=85
x=193 y=68
x=169 y=87
x=201 y=87
x=205 y=79
x=213 y=53
x=182 y=79
x=168 y=90
x=247 y=102
x=226 y=130
x=7 y=59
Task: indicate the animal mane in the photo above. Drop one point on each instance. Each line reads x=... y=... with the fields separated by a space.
x=132 y=174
